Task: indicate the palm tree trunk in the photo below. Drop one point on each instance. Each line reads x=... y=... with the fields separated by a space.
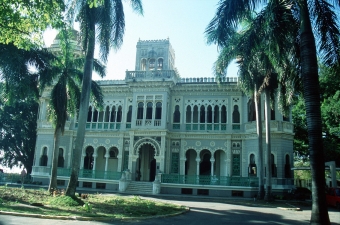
x=310 y=79
x=84 y=105
x=260 y=170
x=54 y=171
x=267 y=197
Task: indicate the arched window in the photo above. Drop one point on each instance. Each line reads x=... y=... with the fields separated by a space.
x=251 y=110
x=160 y=64
x=223 y=114
x=216 y=114
x=89 y=114
x=177 y=115
x=140 y=110
x=158 y=111
x=119 y=114
x=209 y=114
x=195 y=119
x=152 y=64
x=149 y=106
x=188 y=115
x=129 y=115
x=61 y=158
x=272 y=114
x=44 y=158
x=143 y=64
x=236 y=115
x=95 y=116
x=113 y=114
x=202 y=114
x=107 y=114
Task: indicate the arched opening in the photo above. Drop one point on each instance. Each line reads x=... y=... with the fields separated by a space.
x=205 y=164
x=158 y=111
x=146 y=163
x=220 y=164
x=288 y=173
x=202 y=114
x=143 y=64
x=61 y=158
x=149 y=110
x=251 y=110
x=88 y=160
x=190 y=163
x=160 y=64
x=152 y=64
x=252 y=165
x=44 y=158
x=89 y=115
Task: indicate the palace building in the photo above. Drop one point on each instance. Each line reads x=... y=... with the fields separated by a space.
x=160 y=133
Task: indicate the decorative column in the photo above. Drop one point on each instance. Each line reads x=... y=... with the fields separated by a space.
x=121 y=150
x=94 y=165
x=212 y=161
x=161 y=153
x=197 y=169
x=182 y=166
x=107 y=155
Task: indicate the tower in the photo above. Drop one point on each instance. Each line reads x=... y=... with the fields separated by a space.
x=154 y=55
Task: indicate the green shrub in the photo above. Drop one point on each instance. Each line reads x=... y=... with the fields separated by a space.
x=65 y=201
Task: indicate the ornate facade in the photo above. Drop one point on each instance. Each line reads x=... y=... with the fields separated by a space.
x=195 y=135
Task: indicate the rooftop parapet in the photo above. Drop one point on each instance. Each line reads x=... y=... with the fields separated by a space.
x=153 y=75
x=208 y=80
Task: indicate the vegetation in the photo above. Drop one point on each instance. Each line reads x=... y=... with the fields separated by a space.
x=41 y=202
x=322 y=16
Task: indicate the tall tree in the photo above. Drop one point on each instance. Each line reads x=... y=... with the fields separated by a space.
x=102 y=20
x=322 y=15
x=65 y=94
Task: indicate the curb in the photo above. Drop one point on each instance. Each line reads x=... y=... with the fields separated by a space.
x=81 y=218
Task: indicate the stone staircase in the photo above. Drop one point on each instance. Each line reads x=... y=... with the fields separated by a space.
x=139 y=187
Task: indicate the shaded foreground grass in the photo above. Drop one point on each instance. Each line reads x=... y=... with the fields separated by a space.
x=94 y=205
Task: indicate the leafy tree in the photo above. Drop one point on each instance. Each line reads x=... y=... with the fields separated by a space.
x=18 y=133
x=103 y=21
x=22 y=22
x=321 y=15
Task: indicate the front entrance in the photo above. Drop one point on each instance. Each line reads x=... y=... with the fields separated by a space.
x=146 y=163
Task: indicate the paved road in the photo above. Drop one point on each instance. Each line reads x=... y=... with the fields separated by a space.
x=203 y=212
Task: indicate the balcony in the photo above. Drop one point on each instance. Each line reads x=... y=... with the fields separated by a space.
x=161 y=75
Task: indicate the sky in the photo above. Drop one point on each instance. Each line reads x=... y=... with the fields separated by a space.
x=182 y=21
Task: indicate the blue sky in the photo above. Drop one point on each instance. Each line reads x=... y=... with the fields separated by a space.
x=183 y=22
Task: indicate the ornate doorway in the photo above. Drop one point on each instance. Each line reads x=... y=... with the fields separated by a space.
x=146 y=163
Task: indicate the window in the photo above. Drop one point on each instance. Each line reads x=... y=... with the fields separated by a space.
x=149 y=110
x=216 y=114
x=88 y=160
x=224 y=114
x=89 y=114
x=251 y=111
x=273 y=166
x=252 y=165
x=209 y=114
x=119 y=114
x=140 y=111
x=129 y=115
x=107 y=114
x=158 y=111
x=61 y=158
x=160 y=64
x=195 y=119
x=113 y=152
x=188 y=117
x=44 y=158
x=287 y=167
x=236 y=115
x=177 y=115
x=95 y=116
x=143 y=64
x=113 y=114
x=152 y=64
x=202 y=114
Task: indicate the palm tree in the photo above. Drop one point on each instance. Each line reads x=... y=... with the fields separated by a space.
x=322 y=15
x=104 y=22
x=256 y=68
x=65 y=94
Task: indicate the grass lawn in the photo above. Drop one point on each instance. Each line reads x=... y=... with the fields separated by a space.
x=90 y=205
